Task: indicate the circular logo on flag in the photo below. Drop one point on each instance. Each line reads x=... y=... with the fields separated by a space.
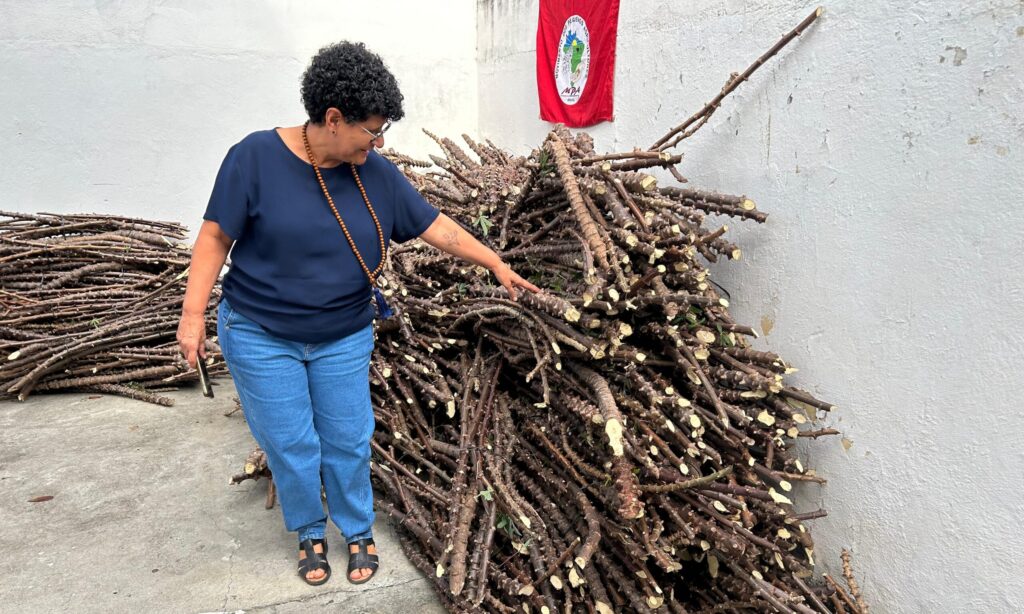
x=573 y=60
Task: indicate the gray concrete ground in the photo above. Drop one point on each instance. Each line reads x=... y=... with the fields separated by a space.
x=143 y=519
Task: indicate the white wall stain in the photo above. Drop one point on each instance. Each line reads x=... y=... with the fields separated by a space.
x=959 y=55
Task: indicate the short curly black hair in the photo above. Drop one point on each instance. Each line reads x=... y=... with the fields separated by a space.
x=354 y=80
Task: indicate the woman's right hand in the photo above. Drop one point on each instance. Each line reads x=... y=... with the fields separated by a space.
x=192 y=336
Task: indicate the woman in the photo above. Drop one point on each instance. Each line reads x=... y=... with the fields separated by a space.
x=307 y=213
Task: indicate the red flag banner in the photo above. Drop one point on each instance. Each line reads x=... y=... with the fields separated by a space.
x=576 y=60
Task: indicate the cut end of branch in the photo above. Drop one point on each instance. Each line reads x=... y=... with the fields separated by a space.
x=613 y=428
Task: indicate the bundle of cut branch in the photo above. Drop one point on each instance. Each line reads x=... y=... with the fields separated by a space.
x=91 y=303
x=612 y=443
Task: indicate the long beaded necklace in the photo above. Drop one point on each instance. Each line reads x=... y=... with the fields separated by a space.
x=382 y=307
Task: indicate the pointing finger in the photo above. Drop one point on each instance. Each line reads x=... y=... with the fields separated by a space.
x=528 y=285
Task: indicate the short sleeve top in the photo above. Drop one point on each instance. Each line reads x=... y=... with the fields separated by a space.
x=292 y=270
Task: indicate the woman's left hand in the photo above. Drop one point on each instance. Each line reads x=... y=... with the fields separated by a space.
x=511 y=280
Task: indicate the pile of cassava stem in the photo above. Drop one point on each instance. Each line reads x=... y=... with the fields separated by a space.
x=91 y=303
x=610 y=444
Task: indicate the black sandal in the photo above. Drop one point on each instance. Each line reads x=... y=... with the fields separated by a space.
x=362 y=559
x=314 y=561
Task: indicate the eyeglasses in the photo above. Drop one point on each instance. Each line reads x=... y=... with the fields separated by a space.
x=379 y=134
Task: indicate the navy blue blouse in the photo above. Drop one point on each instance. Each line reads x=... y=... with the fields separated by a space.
x=292 y=270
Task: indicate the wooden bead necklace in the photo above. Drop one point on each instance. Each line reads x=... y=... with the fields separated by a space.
x=330 y=201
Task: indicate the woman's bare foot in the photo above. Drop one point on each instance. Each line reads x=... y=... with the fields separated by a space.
x=363 y=572
x=316 y=574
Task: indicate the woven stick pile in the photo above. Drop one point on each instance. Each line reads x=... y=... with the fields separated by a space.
x=91 y=303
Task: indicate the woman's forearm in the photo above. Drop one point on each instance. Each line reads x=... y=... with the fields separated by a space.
x=448 y=236
x=208 y=256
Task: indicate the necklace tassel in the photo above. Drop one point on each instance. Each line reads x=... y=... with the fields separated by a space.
x=384 y=310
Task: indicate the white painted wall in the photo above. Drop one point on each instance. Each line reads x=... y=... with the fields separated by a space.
x=128 y=106
x=887 y=146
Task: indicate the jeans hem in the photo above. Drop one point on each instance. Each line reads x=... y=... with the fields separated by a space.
x=316 y=533
x=355 y=538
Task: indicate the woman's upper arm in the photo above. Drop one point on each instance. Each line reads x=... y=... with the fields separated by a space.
x=433 y=234
x=213 y=230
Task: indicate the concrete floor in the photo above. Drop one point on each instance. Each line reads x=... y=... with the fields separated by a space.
x=143 y=519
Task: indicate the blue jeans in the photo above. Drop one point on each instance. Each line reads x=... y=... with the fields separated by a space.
x=308 y=407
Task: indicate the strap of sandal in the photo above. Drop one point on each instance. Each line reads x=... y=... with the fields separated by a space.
x=361 y=558
x=314 y=560
x=316 y=542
